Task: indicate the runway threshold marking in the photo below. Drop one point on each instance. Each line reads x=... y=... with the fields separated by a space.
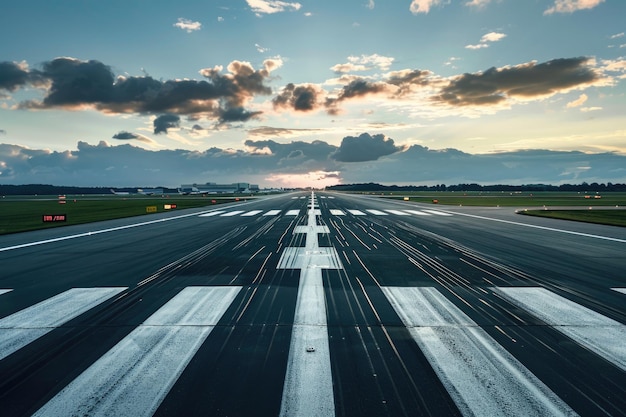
x=356 y=212
x=622 y=290
x=481 y=376
x=133 y=378
x=376 y=212
x=308 y=387
x=336 y=212
x=293 y=213
x=25 y=326
x=213 y=213
x=251 y=213
x=4 y=291
x=418 y=213
x=272 y=213
x=598 y=333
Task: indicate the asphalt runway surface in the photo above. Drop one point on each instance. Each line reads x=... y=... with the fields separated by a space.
x=319 y=304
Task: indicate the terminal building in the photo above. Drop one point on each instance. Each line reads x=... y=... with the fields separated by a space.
x=213 y=188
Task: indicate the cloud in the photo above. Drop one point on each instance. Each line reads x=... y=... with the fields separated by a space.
x=299 y=97
x=188 y=25
x=524 y=81
x=14 y=75
x=261 y=7
x=570 y=6
x=486 y=39
x=75 y=84
x=423 y=6
x=364 y=63
x=269 y=163
x=617 y=35
x=365 y=148
x=164 y=122
x=3 y=132
x=370 y=5
x=478 y=3
x=123 y=135
x=578 y=102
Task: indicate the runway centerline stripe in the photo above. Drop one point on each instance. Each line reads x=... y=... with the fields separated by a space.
x=598 y=333
x=308 y=388
x=134 y=376
x=25 y=326
x=481 y=376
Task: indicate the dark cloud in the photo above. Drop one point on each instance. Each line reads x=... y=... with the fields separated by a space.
x=3 y=132
x=164 y=122
x=527 y=80
x=14 y=76
x=123 y=135
x=365 y=148
x=126 y=165
x=298 y=98
x=75 y=83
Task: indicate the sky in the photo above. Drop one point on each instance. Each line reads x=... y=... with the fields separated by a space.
x=312 y=93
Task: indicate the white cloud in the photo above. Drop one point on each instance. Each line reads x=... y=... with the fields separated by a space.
x=478 y=3
x=570 y=6
x=220 y=19
x=617 y=35
x=590 y=109
x=272 y=6
x=364 y=63
x=492 y=37
x=578 y=102
x=423 y=6
x=260 y=48
x=370 y=5
x=477 y=46
x=187 y=25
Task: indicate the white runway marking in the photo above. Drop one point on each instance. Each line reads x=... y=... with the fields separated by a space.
x=293 y=213
x=4 y=291
x=336 y=212
x=438 y=213
x=308 y=389
x=622 y=290
x=598 y=333
x=231 y=213
x=481 y=376
x=356 y=212
x=23 y=327
x=377 y=212
x=251 y=213
x=397 y=212
x=418 y=213
x=272 y=213
x=211 y=214
x=134 y=376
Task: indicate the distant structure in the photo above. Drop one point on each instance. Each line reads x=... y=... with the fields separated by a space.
x=213 y=188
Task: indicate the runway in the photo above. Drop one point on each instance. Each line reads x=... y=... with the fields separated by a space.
x=315 y=304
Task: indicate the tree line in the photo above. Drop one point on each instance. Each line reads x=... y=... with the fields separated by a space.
x=582 y=187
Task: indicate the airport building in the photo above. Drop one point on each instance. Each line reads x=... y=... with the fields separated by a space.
x=213 y=188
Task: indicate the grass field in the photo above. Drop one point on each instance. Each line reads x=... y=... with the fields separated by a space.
x=18 y=214
x=507 y=199
x=599 y=216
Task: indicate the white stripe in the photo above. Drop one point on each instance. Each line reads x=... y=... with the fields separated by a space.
x=314 y=212
x=377 y=212
x=622 y=290
x=293 y=213
x=417 y=212
x=356 y=212
x=481 y=376
x=308 y=389
x=134 y=377
x=272 y=213
x=594 y=331
x=212 y=213
x=23 y=327
x=397 y=212
x=4 y=291
x=335 y=212
x=438 y=213
x=251 y=213
x=231 y=213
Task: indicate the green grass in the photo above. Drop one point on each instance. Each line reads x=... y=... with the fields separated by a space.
x=18 y=214
x=599 y=216
x=508 y=199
